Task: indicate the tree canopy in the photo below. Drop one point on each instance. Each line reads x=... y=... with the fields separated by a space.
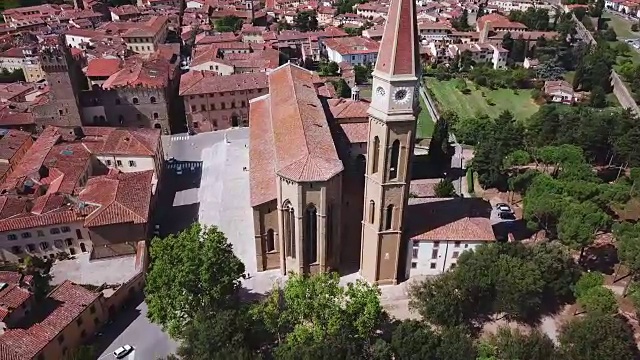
x=596 y=337
x=190 y=271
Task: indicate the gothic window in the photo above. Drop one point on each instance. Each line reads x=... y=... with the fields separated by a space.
x=153 y=99
x=155 y=115
x=135 y=101
x=393 y=165
x=375 y=154
x=288 y=217
x=389 y=218
x=372 y=211
x=311 y=234
x=271 y=242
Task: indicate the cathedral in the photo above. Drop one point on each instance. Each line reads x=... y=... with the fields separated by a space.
x=329 y=178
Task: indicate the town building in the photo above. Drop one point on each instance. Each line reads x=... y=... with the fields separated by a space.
x=482 y=53
x=355 y=50
x=146 y=37
x=561 y=91
x=216 y=102
x=13 y=145
x=442 y=229
x=80 y=190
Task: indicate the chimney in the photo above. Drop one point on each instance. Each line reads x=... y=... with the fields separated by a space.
x=355 y=93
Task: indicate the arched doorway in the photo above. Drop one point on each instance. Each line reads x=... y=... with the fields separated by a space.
x=234 y=120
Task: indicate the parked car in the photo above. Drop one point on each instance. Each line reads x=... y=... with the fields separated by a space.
x=502 y=207
x=506 y=215
x=122 y=351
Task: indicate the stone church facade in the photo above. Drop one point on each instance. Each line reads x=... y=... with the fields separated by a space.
x=312 y=193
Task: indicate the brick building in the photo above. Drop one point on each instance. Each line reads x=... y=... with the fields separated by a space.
x=219 y=102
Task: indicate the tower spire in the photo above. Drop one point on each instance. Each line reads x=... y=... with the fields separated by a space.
x=399 y=53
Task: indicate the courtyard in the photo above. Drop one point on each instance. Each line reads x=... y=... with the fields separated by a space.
x=448 y=97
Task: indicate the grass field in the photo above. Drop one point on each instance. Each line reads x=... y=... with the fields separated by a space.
x=450 y=98
x=425 y=122
x=621 y=25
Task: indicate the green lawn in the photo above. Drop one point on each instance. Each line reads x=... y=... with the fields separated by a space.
x=425 y=122
x=450 y=98
x=621 y=25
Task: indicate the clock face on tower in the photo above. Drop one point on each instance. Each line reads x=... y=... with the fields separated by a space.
x=402 y=95
x=380 y=91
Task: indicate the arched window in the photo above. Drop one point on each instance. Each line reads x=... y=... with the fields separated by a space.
x=155 y=115
x=288 y=217
x=95 y=119
x=157 y=126
x=311 y=234
x=271 y=241
x=135 y=101
x=393 y=164
x=152 y=100
x=389 y=218
x=372 y=211
x=375 y=154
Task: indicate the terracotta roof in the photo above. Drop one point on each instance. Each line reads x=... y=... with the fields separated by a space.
x=348 y=109
x=206 y=82
x=149 y=28
x=12 y=297
x=120 y=197
x=121 y=141
x=352 y=45
x=262 y=178
x=453 y=219
x=103 y=67
x=66 y=303
x=153 y=73
x=498 y=21
x=399 y=54
x=356 y=132
x=304 y=146
x=10 y=143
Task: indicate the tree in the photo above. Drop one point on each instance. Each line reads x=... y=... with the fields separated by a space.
x=342 y=88
x=305 y=21
x=193 y=270
x=469 y=130
x=329 y=68
x=229 y=23
x=599 y=300
x=462 y=23
x=439 y=145
x=313 y=312
x=627 y=236
x=596 y=337
x=39 y=269
x=598 y=99
x=610 y=35
x=510 y=343
x=229 y=333
x=588 y=281
x=362 y=73
x=579 y=224
x=445 y=189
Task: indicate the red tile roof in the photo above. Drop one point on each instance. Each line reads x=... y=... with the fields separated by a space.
x=352 y=45
x=499 y=21
x=349 y=109
x=12 y=297
x=206 y=82
x=121 y=198
x=152 y=73
x=356 y=132
x=68 y=301
x=399 y=48
x=103 y=67
x=439 y=219
x=262 y=179
x=304 y=147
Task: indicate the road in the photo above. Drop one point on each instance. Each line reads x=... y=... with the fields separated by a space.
x=132 y=327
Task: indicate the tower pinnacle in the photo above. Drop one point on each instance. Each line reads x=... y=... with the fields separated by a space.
x=399 y=53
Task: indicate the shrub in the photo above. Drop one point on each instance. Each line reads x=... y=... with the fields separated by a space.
x=470 y=186
x=490 y=102
x=466 y=91
x=445 y=189
x=634 y=27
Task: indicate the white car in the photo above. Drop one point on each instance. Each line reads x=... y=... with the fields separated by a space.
x=122 y=351
x=502 y=207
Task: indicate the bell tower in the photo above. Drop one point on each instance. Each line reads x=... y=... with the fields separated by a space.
x=392 y=126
